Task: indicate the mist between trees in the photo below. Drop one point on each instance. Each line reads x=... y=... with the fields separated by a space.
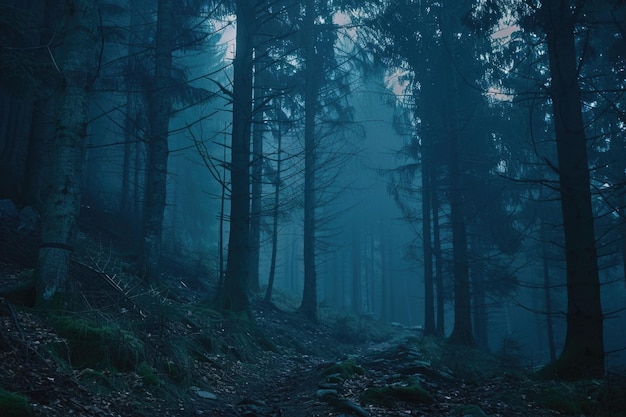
x=458 y=166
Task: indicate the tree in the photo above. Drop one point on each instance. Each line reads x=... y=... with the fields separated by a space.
x=308 y=306
x=583 y=352
x=77 y=58
x=159 y=111
x=233 y=295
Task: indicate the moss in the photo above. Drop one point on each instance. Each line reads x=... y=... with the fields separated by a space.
x=178 y=363
x=468 y=411
x=98 y=346
x=610 y=399
x=14 y=405
x=102 y=382
x=345 y=369
x=266 y=343
x=470 y=363
x=561 y=398
x=149 y=375
x=391 y=395
x=174 y=371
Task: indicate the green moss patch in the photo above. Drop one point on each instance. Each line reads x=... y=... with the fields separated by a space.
x=471 y=410
x=345 y=369
x=149 y=375
x=14 y=405
x=98 y=346
x=391 y=395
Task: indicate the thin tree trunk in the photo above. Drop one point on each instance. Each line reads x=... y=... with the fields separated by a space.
x=583 y=351
x=220 y=231
x=480 y=312
x=385 y=273
x=548 y=300
x=429 y=302
x=77 y=60
x=355 y=251
x=438 y=260
x=275 y=211
x=257 y=169
x=309 y=297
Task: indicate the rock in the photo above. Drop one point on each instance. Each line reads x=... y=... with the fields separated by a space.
x=334 y=378
x=327 y=394
x=329 y=385
x=204 y=394
x=346 y=406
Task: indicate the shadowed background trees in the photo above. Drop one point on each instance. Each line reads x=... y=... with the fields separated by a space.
x=309 y=135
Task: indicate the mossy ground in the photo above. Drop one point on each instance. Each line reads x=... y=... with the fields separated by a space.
x=14 y=405
x=99 y=344
x=345 y=369
x=394 y=394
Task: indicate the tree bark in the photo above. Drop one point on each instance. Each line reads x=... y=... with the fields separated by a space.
x=159 y=109
x=548 y=298
x=77 y=58
x=355 y=252
x=429 y=301
x=462 y=330
x=583 y=352
x=258 y=130
x=134 y=126
x=309 y=296
x=441 y=328
x=234 y=294
x=275 y=212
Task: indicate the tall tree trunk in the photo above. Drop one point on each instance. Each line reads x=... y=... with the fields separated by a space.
x=234 y=294
x=583 y=352
x=441 y=328
x=355 y=254
x=480 y=311
x=309 y=297
x=134 y=124
x=548 y=298
x=77 y=63
x=40 y=142
x=429 y=301
x=159 y=109
x=258 y=131
x=385 y=273
x=454 y=89
x=462 y=330
x=275 y=212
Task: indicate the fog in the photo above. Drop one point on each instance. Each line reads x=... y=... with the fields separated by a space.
x=441 y=176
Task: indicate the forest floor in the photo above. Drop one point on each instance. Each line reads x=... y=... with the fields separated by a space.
x=139 y=353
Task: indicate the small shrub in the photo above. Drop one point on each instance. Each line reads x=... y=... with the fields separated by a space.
x=148 y=375
x=345 y=369
x=94 y=345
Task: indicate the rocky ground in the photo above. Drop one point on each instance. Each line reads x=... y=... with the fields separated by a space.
x=398 y=374
x=130 y=352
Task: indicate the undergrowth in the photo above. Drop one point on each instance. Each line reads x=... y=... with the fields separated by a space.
x=13 y=404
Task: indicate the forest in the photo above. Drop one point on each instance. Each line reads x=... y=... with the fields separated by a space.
x=314 y=208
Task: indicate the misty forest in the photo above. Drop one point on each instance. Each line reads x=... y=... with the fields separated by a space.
x=314 y=208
